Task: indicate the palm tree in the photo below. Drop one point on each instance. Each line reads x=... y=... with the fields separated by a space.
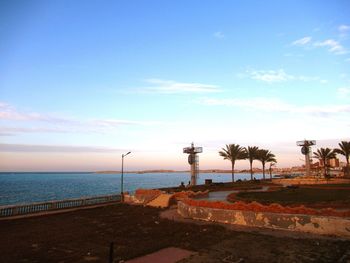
x=270 y=168
x=252 y=154
x=265 y=156
x=233 y=152
x=344 y=149
x=324 y=154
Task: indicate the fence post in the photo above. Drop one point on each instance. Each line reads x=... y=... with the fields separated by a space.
x=57 y=204
x=14 y=211
x=111 y=252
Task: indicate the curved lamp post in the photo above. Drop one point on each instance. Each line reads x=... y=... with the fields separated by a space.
x=122 y=178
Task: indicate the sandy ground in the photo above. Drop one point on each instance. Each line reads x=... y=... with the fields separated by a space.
x=85 y=236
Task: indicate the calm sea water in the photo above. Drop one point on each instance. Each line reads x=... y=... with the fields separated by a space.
x=19 y=188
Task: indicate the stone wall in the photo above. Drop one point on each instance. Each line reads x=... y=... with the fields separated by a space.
x=145 y=196
x=301 y=180
x=324 y=225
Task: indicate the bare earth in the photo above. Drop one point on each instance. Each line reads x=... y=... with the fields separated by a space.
x=85 y=236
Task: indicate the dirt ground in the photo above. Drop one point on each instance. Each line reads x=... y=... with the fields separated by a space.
x=85 y=236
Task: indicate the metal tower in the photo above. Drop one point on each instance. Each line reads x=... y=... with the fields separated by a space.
x=193 y=160
x=306 y=150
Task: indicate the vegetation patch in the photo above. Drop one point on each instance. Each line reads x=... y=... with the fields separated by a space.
x=238 y=185
x=309 y=196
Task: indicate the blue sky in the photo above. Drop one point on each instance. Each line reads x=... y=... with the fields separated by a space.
x=83 y=81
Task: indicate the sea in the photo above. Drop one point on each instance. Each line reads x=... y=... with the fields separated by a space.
x=24 y=188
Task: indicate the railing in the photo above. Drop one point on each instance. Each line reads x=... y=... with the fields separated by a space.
x=13 y=210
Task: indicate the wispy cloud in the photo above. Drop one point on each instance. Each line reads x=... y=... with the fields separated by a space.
x=271 y=76
x=302 y=41
x=172 y=87
x=8 y=112
x=343 y=93
x=332 y=45
x=9 y=131
x=34 y=122
x=116 y=123
x=219 y=34
x=276 y=105
x=54 y=148
x=343 y=30
x=266 y=104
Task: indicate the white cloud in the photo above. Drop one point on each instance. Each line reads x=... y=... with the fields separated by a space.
x=302 y=41
x=172 y=87
x=269 y=75
x=116 y=123
x=333 y=46
x=35 y=122
x=54 y=148
x=266 y=104
x=343 y=92
x=219 y=35
x=343 y=28
x=276 y=105
x=8 y=112
x=280 y=75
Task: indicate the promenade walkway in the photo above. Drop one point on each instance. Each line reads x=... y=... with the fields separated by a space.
x=161 y=201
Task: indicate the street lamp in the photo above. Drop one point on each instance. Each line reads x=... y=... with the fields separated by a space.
x=122 y=178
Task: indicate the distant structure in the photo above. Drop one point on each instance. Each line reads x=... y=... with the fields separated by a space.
x=334 y=163
x=306 y=150
x=193 y=161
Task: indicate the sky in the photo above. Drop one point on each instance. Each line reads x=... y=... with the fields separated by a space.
x=82 y=82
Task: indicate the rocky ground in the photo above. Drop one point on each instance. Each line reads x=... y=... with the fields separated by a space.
x=85 y=236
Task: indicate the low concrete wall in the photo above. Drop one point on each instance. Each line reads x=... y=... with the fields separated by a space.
x=298 y=181
x=323 y=225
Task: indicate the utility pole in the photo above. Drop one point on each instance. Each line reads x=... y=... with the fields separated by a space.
x=122 y=178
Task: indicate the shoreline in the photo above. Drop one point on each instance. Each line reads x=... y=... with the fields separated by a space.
x=180 y=171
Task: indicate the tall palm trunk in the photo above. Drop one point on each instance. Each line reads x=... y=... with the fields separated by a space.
x=263 y=165
x=233 y=172
x=251 y=170
x=325 y=167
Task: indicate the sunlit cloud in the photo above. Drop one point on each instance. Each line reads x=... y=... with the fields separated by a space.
x=172 y=87
x=343 y=93
x=35 y=122
x=271 y=76
x=332 y=45
x=302 y=41
x=9 y=112
x=266 y=104
x=276 y=105
x=9 y=131
x=55 y=148
x=116 y=123
x=343 y=30
x=219 y=35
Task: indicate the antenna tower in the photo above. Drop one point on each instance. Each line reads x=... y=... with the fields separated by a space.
x=306 y=150
x=193 y=160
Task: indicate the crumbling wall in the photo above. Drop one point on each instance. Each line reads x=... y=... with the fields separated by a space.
x=324 y=225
